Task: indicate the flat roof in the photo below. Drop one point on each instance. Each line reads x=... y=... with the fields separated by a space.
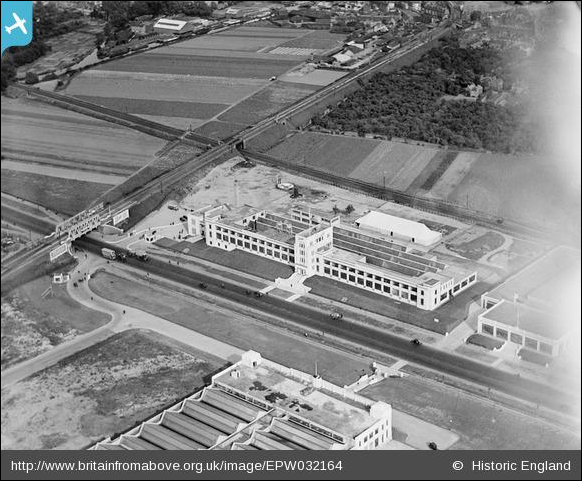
x=405 y=227
x=300 y=399
x=527 y=319
x=531 y=280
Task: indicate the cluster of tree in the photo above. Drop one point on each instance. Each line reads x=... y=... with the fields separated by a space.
x=118 y=14
x=409 y=103
x=49 y=21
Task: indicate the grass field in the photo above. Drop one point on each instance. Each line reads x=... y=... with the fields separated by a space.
x=449 y=315
x=242 y=333
x=495 y=427
x=266 y=102
x=163 y=86
x=39 y=129
x=105 y=389
x=219 y=130
x=199 y=79
x=521 y=187
x=319 y=40
x=164 y=108
x=153 y=62
x=65 y=196
x=32 y=325
x=333 y=153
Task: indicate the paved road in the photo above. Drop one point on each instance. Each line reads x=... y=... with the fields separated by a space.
x=392 y=345
x=120 y=321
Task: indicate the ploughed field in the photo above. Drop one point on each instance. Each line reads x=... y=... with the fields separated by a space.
x=63 y=160
x=217 y=84
x=523 y=187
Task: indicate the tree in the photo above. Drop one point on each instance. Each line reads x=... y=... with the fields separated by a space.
x=31 y=78
x=475 y=16
x=8 y=73
x=349 y=209
x=335 y=210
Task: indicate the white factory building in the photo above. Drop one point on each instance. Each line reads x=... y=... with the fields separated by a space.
x=257 y=404
x=380 y=261
x=533 y=308
x=399 y=228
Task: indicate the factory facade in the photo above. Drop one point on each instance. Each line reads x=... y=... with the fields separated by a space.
x=257 y=404
x=382 y=260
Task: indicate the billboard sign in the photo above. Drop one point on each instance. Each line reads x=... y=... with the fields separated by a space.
x=59 y=251
x=117 y=218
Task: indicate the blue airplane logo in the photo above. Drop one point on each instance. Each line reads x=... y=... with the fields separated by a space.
x=17 y=24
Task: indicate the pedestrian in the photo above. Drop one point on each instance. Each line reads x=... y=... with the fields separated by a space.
x=124 y=311
x=91 y=297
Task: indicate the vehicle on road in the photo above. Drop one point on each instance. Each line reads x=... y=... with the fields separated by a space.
x=258 y=294
x=203 y=285
x=108 y=253
x=416 y=342
x=336 y=315
x=432 y=445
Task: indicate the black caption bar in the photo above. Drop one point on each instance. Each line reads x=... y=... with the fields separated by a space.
x=337 y=465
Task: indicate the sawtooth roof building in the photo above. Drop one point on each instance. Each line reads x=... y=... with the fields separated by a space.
x=257 y=404
x=389 y=265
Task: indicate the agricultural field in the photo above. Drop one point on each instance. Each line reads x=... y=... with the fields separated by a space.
x=105 y=389
x=63 y=160
x=66 y=196
x=33 y=324
x=40 y=132
x=266 y=102
x=193 y=84
x=528 y=188
x=520 y=187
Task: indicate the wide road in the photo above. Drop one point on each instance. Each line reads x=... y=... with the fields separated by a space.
x=315 y=320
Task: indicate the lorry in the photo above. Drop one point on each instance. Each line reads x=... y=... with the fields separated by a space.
x=108 y=253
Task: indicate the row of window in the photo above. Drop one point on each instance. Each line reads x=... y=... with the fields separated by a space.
x=515 y=338
x=345 y=269
x=377 y=286
x=232 y=236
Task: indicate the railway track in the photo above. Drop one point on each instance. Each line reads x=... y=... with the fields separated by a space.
x=431 y=205
x=165 y=131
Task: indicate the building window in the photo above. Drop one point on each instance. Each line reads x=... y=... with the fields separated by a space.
x=387 y=289
x=444 y=296
x=369 y=284
x=378 y=286
x=343 y=275
x=262 y=250
x=334 y=273
x=516 y=338
x=352 y=278
x=413 y=297
x=501 y=333
x=545 y=348
x=248 y=245
x=531 y=343
x=283 y=257
x=396 y=284
x=395 y=292
x=219 y=236
x=239 y=243
x=360 y=281
x=405 y=295
x=472 y=278
x=326 y=270
x=269 y=252
x=487 y=329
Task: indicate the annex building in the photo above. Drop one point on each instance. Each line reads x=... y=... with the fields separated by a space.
x=532 y=308
x=257 y=404
x=381 y=257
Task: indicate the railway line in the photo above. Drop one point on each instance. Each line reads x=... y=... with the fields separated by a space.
x=431 y=205
x=148 y=126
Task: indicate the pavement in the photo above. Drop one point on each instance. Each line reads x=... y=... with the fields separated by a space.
x=122 y=318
